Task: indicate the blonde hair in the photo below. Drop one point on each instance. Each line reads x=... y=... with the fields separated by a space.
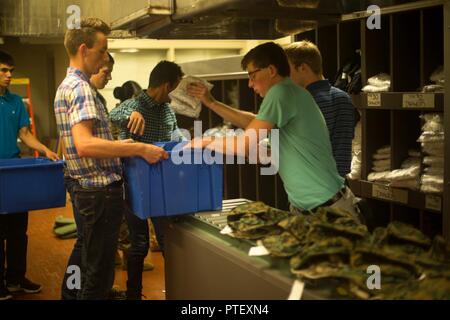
x=305 y=52
x=87 y=34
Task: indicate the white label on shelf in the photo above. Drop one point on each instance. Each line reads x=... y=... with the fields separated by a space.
x=390 y=194
x=258 y=251
x=382 y=192
x=297 y=290
x=418 y=100
x=433 y=202
x=374 y=100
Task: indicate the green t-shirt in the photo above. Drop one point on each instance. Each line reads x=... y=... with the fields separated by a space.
x=306 y=163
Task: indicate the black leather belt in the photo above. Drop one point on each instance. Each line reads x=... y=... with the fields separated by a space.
x=333 y=199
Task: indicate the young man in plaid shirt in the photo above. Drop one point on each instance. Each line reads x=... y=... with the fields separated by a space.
x=93 y=157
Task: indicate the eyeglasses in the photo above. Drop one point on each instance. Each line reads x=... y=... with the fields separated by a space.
x=252 y=75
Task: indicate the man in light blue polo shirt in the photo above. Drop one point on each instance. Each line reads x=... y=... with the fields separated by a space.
x=14 y=122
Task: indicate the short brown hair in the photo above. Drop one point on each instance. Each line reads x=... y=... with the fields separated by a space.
x=87 y=34
x=305 y=52
x=266 y=54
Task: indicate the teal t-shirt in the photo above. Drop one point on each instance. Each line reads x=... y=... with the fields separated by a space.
x=306 y=163
x=13 y=117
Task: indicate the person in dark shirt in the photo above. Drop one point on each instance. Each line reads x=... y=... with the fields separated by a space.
x=336 y=106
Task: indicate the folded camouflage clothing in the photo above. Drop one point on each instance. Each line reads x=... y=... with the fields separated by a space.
x=402 y=236
x=426 y=288
x=282 y=245
x=329 y=247
x=255 y=220
x=330 y=253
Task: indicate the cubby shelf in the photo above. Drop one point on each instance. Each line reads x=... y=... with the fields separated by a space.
x=411 y=44
x=406 y=197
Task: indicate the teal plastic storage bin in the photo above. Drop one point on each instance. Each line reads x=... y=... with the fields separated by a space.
x=31 y=184
x=166 y=188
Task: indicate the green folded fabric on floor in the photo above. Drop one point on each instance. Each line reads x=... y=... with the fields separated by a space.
x=65 y=230
x=69 y=235
x=62 y=221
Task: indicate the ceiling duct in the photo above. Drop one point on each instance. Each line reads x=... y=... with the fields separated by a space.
x=45 y=18
x=233 y=19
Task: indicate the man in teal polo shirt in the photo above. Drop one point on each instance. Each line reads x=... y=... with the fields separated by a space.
x=306 y=163
x=14 y=122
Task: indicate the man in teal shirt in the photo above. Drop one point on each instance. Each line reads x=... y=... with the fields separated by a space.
x=306 y=163
x=14 y=123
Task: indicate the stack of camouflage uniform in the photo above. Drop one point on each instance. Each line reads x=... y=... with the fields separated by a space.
x=330 y=248
x=255 y=220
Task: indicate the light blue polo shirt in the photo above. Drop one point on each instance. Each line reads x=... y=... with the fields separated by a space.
x=13 y=117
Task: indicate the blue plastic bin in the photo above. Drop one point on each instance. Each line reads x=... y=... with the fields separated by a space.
x=31 y=184
x=166 y=189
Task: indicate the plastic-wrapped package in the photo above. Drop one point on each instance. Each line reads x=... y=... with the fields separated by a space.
x=435 y=117
x=411 y=162
x=413 y=184
x=414 y=153
x=384 y=150
x=380 y=80
x=184 y=104
x=434 y=161
x=438 y=76
x=375 y=89
x=355 y=173
x=434 y=171
x=433 y=148
x=432 y=183
x=404 y=174
x=431 y=136
x=378 y=176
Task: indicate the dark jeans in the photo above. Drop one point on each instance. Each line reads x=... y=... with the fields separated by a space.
x=100 y=210
x=13 y=233
x=75 y=257
x=139 y=245
x=158 y=224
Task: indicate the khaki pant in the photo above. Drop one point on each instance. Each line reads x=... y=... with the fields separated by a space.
x=348 y=202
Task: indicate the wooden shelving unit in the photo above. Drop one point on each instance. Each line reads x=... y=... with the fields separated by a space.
x=409 y=47
x=413 y=41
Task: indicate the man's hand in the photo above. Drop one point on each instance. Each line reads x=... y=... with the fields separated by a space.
x=198 y=143
x=200 y=91
x=152 y=154
x=136 y=125
x=51 y=155
x=31 y=141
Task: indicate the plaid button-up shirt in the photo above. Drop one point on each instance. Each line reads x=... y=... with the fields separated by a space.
x=160 y=120
x=77 y=101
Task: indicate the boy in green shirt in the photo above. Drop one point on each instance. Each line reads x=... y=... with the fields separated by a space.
x=306 y=163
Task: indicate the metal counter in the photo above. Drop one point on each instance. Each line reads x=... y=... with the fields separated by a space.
x=201 y=263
